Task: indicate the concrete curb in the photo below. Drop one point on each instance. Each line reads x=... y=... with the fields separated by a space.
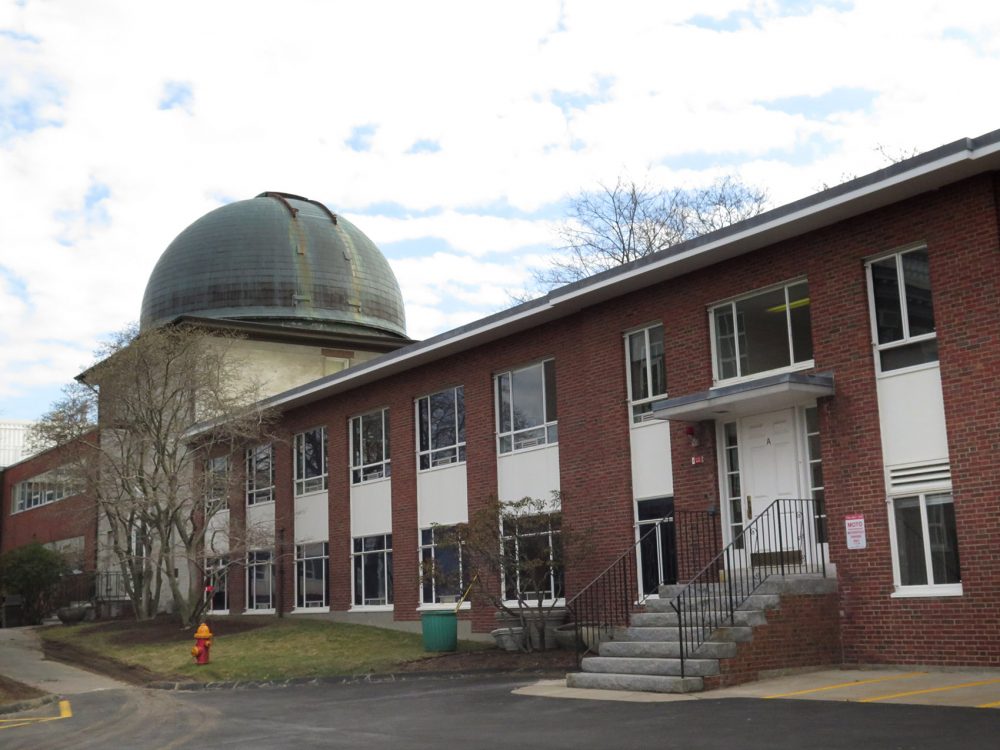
x=13 y=708
x=346 y=679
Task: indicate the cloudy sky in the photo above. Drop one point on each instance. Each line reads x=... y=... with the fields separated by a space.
x=452 y=133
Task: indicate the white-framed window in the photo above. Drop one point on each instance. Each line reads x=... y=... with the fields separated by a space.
x=216 y=484
x=733 y=485
x=762 y=332
x=373 y=570
x=311 y=564
x=310 y=461
x=647 y=372
x=532 y=552
x=260 y=474
x=217 y=584
x=370 y=458
x=47 y=487
x=925 y=544
x=899 y=287
x=817 y=487
x=526 y=407
x=441 y=565
x=260 y=580
x=441 y=428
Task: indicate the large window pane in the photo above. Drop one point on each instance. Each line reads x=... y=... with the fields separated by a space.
x=529 y=406
x=885 y=290
x=766 y=329
x=800 y=320
x=943 y=538
x=916 y=277
x=910 y=542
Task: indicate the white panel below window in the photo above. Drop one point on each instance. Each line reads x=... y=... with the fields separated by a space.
x=652 y=472
x=260 y=525
x=312 y=518
x=217 y=533
x=371 y=508
x=442 y=496
x=911 y=409
x=532 y=473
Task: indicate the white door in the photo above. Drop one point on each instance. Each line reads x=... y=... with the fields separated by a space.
x=771 y=471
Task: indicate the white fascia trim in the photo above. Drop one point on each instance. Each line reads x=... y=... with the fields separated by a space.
x=372 y=608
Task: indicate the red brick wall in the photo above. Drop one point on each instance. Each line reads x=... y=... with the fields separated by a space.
x=64 y=519
x=801 y=632
x=959 y=225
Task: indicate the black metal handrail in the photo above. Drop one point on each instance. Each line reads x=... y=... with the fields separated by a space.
x=784 y=539
x=607 y=601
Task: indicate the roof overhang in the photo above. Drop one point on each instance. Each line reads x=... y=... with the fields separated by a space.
x=771 y=393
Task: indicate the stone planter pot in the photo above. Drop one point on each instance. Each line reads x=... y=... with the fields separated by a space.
x=509 y=639
x=71 y=615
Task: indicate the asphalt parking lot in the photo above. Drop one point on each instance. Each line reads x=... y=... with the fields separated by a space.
x=425 y=713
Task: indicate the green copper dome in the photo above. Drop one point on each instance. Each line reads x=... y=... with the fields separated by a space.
x=278 y=259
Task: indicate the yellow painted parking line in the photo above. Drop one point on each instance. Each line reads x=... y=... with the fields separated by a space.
x=928 y=690
x=846 y=685
x=65 y=712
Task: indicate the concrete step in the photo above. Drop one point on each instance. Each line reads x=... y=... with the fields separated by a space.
x=641 y=682
x=666 y=619
x=667 y=649
x=754 y=601
x=627 y=665
x=726 y=633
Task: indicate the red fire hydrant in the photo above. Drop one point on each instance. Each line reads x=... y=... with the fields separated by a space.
x=202 y=643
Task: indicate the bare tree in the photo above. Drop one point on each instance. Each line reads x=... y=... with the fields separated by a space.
x=620 y=223
x=155 y=499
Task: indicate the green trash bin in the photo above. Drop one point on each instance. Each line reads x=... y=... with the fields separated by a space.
x=440 y=630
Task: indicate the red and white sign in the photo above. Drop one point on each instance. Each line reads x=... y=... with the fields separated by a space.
x=855 y=526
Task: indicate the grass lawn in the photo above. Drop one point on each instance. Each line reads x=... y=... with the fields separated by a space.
x=254 y=648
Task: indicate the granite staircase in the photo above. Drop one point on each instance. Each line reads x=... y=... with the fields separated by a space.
x=645 y=656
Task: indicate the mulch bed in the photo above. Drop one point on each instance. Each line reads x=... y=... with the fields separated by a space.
x=494 y=660
x=12 y=691
x=166 y=629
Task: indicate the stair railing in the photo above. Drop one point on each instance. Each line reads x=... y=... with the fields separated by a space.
x=785 y=539
x=607 y=601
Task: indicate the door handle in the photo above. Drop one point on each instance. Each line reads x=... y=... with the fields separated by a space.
x=749 y=508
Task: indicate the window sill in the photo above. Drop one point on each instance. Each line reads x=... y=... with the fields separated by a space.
x=310 y=610
x=797 y=367
x=533 y=604
x=261 y=502
x=298 y=495
x=647 y=423
x=216 y=612
x=440 y=467
x=259 y=611
x=885 y=374
x=527 y=450
x=371 y=608
x=443 y=607
x=371 y=481
x=914 y=592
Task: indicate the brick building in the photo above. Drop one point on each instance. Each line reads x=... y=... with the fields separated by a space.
x=835 y=357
